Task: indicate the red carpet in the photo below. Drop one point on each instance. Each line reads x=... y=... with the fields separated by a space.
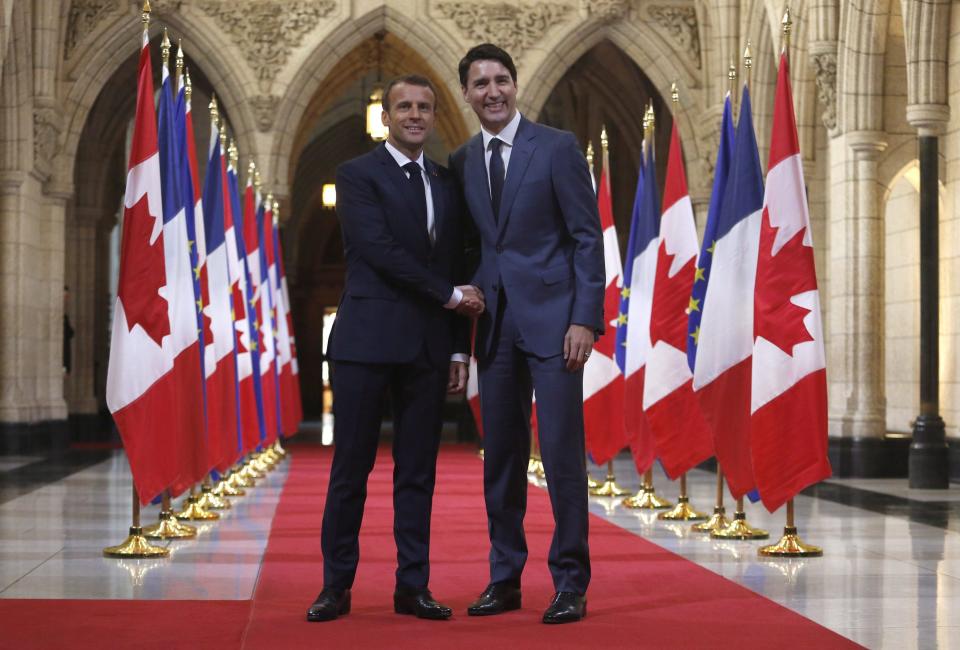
x=640 y=595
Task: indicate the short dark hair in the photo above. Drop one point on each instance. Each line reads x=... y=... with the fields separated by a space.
x=485 y=52
x=413 y=80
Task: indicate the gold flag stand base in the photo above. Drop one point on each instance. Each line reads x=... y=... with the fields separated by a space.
x=224 y=489
x=592 y=483
x=682 y=512
x=535 y=466
x=609 y=487
x=790 y=545
x=278 y=449
x=740 y=529
x=169 y=528
x=258 y=464
x=238 y=481
x=194 y=511
x=211 y=501
x=250 y=473
x=136 y=546
x=717 y=521
x=647 y=499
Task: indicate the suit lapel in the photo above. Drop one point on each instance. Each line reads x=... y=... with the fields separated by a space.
x=523 y=148
x=400 y=181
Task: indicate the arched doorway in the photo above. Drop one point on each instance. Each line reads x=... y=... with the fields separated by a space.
x=605 y=87
x=332 y=131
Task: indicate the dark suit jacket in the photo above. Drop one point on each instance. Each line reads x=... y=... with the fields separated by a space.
x=397 y=283
x=545 y=248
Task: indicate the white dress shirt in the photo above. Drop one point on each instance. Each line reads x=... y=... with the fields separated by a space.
x=402 y=159
x=507 y=136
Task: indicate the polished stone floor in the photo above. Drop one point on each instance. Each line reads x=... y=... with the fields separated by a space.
x=889 y=577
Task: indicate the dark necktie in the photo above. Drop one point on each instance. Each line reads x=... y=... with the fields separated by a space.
x=496 y=177
x=416 y=183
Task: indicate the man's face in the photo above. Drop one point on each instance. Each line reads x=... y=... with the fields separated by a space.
x=492 y=94
x=411 y=116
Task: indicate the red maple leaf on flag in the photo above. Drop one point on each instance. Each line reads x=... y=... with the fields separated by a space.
x=140 y=284
x=671 y=297
x=780 y=277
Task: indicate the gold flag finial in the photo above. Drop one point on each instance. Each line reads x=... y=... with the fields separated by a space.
x=214 y=113
x=234 y=154
x=276 y=212
x=652 y=120
x=787 y=23
x=674 y=94
x=748 y=56
x=251 y=169
x=223 y=138
x=165 y=47
x=179 y=56
x=256 y=180
x=187 y=85
x=590 y=155
x=269 y=203
x=732 y=72
x=145 y=15
x=603 y=138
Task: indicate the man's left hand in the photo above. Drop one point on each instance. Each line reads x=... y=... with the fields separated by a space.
x=459 y=373
x=577 y=345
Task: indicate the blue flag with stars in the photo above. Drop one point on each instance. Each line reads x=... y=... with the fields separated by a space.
x=632 y=252
x=721 y=172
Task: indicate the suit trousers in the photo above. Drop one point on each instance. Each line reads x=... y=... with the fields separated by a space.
x=507 y=376
x=417 y=391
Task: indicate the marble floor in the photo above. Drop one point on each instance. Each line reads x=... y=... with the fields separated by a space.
x=889 y=577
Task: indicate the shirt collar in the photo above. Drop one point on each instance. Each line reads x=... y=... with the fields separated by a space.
x=507 y=134
x=402 y=158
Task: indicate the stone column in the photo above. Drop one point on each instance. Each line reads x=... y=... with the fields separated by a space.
x=857 y=337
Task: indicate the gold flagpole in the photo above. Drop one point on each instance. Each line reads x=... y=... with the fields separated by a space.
x=790 y=545
x=609 y=487
x=718 y=520
x=592 y=483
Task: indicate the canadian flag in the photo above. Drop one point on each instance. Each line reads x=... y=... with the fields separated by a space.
x=142 y=376
x=602 y=380
x=683 y=438
x=292 y=414
x=789 y=391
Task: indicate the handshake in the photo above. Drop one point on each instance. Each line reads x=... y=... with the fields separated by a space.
x=472 y=304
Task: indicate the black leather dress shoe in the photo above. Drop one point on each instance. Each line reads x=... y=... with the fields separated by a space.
x=566 y=607
x=420 y=604
x=497 y=598
x=330 y=604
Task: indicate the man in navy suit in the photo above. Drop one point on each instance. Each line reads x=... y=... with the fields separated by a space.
x=397 y=333
x=529 y=192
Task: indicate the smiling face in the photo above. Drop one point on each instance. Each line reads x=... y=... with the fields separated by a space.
x=492 y=93
x=410 y=118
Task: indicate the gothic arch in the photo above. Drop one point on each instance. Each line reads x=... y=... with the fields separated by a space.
x=645 y=47
x=322 y=65
x=94 y=62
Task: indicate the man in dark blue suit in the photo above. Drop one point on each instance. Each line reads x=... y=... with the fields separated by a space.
x=529 y=192
x=397 y=333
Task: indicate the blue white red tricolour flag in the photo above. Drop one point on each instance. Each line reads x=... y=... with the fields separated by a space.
x=220 y=359
x=291 y=412
x=721 y=376
x=789 y=391
x=642 y=266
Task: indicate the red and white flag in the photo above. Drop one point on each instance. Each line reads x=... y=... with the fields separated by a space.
x=141 y=383
x=683 y=438
x=290 y=373
x=602 y=379
x=789 y=390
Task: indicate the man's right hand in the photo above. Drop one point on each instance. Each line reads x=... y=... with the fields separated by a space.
x=472 y=303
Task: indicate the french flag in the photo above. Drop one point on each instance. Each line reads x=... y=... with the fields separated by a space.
x=247 y=382
x=789 y=393
x=258 y=296
x=220 y=358
x=291 y=413
x=722 y=373
x=189 y=436
x=142 y=392
x=268 y=324
x=683 y=438
x=638 y=289
x=602 y=379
